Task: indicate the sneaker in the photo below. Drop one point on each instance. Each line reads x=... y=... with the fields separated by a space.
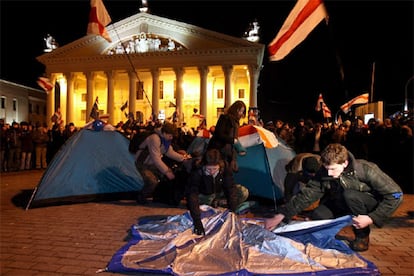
x=359 y=244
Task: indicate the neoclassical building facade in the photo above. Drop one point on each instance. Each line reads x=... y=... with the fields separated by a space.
x=157 y=66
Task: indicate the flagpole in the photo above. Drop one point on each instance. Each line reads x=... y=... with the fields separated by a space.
x=372 y=81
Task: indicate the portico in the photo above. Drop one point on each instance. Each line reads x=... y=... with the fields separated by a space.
x=187 y=69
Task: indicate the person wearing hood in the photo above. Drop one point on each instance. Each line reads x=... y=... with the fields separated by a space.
x=345 y=186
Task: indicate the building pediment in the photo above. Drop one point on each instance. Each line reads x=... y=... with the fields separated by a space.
x=189 y=42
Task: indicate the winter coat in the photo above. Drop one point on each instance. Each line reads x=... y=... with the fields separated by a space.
x=200 y=183
x=155 y=148
x=360 y=175
x=227 y=129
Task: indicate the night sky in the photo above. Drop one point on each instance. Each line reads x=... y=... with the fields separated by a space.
x=359 y=33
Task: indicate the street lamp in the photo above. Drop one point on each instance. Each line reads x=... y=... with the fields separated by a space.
x=405 y=96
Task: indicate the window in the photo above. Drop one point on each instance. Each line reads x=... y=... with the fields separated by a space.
x=3 y=102
x=161 y=84
x=220 y=93
x=30 y=108
x=14 y=105
x=241 y=93
x=139 y=90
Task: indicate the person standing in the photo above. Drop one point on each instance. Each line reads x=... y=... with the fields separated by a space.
x=26 y=146
x=41 y=139
x=226 y=134
x=346 y=186
x=14 y=147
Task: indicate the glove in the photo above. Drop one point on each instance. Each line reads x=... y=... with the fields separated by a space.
x=198 y=228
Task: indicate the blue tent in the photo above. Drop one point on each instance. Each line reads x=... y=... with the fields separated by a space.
x=92 y=165
x=263 y=169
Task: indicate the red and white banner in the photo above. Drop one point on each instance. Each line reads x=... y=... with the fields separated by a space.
x=361 y=99
x=304 y=17
x=251 y=135
x=45 y=83
x=98 y=19
x=320 y=105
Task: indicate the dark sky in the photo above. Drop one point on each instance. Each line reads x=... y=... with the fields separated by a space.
x=359 y=34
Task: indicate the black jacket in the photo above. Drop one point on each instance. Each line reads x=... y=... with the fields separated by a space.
x=200 y=183
x=360 y=175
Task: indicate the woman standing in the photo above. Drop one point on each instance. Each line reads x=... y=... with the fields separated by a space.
x=226 y=134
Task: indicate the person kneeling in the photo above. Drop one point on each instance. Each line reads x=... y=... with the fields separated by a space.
x=211 y=184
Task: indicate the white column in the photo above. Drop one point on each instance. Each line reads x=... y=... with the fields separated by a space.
x=254 y=78
x=50 y=110
x=90 y=99
x=228 y=70
x=203 y=71
x=132 y=91
x=111 y=96
x=155 y=73
x=179 y=73
x=69 y=96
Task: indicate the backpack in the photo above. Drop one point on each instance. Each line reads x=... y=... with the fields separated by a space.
x=137 y=139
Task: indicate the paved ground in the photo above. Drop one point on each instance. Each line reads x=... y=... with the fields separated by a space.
x=80 y=239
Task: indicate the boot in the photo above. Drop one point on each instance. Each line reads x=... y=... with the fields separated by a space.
x=361 y=241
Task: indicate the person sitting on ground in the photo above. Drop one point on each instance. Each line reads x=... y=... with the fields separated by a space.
x=149 y=160
x=346 y=186
x=210 y=184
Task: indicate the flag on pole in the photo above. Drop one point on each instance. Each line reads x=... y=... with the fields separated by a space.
x=304 y=17
x=124 y=106
x=95 y=110
x=361 y=99
x=320 y=105
x=45 y=83
x=98 y=19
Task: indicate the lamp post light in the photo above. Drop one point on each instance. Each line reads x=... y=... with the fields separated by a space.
x=405 y=96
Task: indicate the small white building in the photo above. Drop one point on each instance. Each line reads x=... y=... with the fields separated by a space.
x=21 y=103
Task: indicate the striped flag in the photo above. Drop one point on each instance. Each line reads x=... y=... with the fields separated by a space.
x=250 y=135
x=304 y=17
x=95 y=110
x=361 y=99
x=98 y=19
x=45 y=83
x=320 y=105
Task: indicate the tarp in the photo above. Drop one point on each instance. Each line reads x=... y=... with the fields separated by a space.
x=262 y=170
x=237 y=246
x=91 y=165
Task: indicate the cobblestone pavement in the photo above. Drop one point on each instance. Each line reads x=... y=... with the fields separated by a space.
x=80 y=239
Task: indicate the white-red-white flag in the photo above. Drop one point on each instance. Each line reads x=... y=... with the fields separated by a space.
x=304 y=17
x=361 y=99
x=45 y=83
x=320 y=105
x=98 y=19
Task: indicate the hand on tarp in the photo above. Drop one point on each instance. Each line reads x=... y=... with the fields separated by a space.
x=198 y=227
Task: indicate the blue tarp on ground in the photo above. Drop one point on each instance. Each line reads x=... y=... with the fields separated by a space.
x=90 y=165
x=237 y=246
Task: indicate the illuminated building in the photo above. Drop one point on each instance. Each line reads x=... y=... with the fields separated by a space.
x=159 y=66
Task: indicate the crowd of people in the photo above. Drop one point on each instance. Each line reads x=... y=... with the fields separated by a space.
x=340 y=168
x=27 y=146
